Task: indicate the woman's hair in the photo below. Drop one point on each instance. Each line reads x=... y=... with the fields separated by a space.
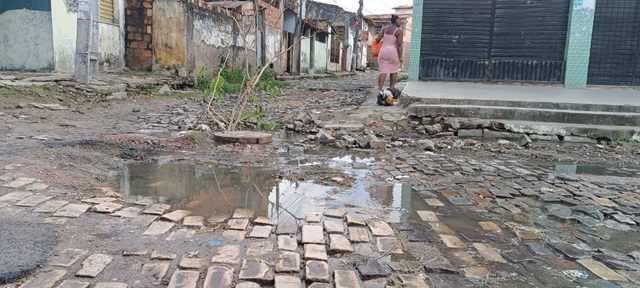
x=394 y=19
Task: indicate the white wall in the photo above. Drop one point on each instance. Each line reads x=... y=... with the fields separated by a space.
x=320 y=57
x=65 y=23
x=26 y=40
x=305 y=54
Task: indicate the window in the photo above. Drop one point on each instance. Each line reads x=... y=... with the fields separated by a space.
x=335 y=50
x=107 y=12
x=321 y=37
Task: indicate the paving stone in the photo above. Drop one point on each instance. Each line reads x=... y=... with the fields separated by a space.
x=157 y=209
x=452 y=241
x=181 y=234
x=465 y=257
x=601 y=270
x=442 y=267
x=143 y=220
x=227 y=254
x=243 y=213
x=158 y=228
x=264 y=221
x=418 y=236
x=157 y=255
x=282 y=281
x=19 y=182
x=156 y=270
x=107 y=207
x=262 y=232
x=184 y=279
x=286 y=228
x=604 y=202
x=433 y=202
x=339 y=244
x=73 y=284
x=287 y=243
x=247 y=285
x=56 y=221
x=72 y=210
x=111 y=285
x=333 y=227
x=234 y=235
x=37 y=187
x=44 y=279
x=489 y=253
x=134 y=253
x=190 y=263
x=312 y=235
x=3 y=204
x=518 y=254
x=490 y=227
x=288 y=262
x=258 y=250
x=317 y=271
x=67 y=258
x=380 y=228
x=238 y=224
x=345 y=279
x=372 y=270
x=412 y=281
x=355 y=220
x=570 y=250
x=93 y=265
x=128 y=212
x=193 y=221
x=255 y=270
x=388 y=245
x=359 y=235
x=15 y=196
x=315 y=252
x=448 y=281
x=33 y=200
x=624 y=219
x=473 y=236
x=9 y=176
x=320 y=285
x=99 y=200
x=335 y=213
x=219 y=277
x=441 y=228
x=428 y=216
x=477 y=273
x=176 y=216
x=313 y=217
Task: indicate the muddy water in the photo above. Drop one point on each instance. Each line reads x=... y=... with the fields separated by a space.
x=592 y=169
x=215 y=193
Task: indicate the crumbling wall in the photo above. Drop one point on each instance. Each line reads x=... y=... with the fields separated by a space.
x=26 y=36
x=169 y=35
x=138 y=40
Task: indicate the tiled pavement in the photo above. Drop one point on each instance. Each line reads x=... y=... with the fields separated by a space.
x=474 y=223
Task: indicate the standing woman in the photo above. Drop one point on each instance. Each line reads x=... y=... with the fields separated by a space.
x=390 y=55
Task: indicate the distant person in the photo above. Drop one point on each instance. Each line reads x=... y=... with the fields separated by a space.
x=390 y=55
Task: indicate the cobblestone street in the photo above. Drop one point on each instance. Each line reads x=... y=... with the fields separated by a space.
x=301 y=212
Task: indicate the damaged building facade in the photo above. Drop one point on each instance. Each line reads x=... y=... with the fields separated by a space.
x=185 y=36
x=329 y=38
x=41 y=35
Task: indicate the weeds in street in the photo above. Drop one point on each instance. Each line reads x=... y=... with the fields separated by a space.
x=403 y=78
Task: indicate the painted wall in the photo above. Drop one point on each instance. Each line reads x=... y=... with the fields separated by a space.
x=305 y=55
x=215 y=36
x=169 y=35
x=273 y=46
x=64 y=23
x=26 y=36
x=320 y=56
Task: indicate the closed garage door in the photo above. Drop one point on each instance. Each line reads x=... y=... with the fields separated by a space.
x=494 y=40
x=614 y=46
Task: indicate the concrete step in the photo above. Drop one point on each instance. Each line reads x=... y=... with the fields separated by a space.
x=409 y=101
x=527 y=114
x=617 y=133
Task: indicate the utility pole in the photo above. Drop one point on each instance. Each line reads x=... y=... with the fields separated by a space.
x=356 y=49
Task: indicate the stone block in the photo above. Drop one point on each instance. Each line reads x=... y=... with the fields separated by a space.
x=93 y=265
x=317 y=271
x=312 y=235
x=288 y=262
x=315 y=252
x=339 y=244
x=219 y=277
x=184 y=279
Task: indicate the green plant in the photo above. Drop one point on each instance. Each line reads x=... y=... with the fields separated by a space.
x=403 y=78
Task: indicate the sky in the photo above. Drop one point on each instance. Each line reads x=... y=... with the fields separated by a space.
x=370 y=6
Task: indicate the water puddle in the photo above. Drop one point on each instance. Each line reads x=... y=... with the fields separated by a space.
x=592 y=169
x=215 y=193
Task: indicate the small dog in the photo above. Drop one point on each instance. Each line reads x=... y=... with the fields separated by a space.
x=388 y=97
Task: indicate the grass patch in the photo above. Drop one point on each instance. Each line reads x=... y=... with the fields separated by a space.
x=403 y=78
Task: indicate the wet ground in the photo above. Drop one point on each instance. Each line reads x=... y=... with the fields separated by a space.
x=133 y=205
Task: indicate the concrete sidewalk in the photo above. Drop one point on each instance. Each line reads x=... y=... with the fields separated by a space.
x=439 y=92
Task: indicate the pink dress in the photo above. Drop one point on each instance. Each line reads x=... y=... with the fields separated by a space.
x=388 y=59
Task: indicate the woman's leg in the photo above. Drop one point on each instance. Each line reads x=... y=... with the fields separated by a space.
x=392 y=80
x=381 y=78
